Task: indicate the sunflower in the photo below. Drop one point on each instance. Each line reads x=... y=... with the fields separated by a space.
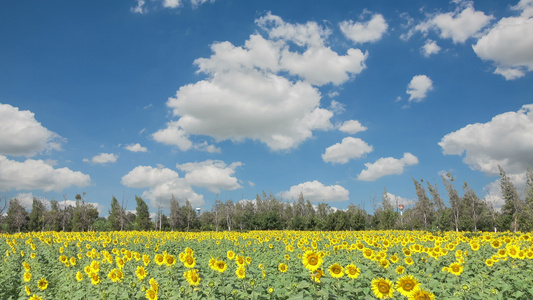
x=27 y=290
x=154 y=285
x=239 y=260
x=42 y=284
x=79 y=276
x=317 y=275
x=220 y=266
x=95 y=266
x=382 y=288
x=352 y=271
x=192 y=277
x=336 y=270
x=151 y=294
x=95 y=279
x=421 y=294
x=456 y=269
x=282 y=267
x=141 y=273
x=159 y=259
x=406 y=284
x=384 y=263
x=35 y=297
x=312 y=261
x=400 y=269
x=409 y=261
x=27 y=276
x=113 y=275
x=146 y=259
x=73 y=261
x=496 y=244
x=513 y=251
x=170 y=260
x=189 y=261
x=241 y=272
x=231 y=255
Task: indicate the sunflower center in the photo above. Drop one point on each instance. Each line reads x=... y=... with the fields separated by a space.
x=408 y=285
x=383 y=288
x=313 y=260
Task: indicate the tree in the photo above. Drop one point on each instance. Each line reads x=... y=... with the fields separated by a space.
x=176 y=219
x=455 y=200
x=527 y=221
x=188 y=213
x=142 y=218
x=473 y=206
x=423 y=207
x=513 y=205
x=115 y=215
x=37 y=215
x=17 y=216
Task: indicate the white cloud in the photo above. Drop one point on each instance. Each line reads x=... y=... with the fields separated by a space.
x=37 y=175
x=140 y=9
x=102 y=158
x=207 y=148
x=509 y=43
x=418 y=88
x=507 y=140
x=171 y=3
x=494 y=192
x=162 y=183
x=348 y=149
x=21 y=134
x=136 y=148
x=429 y=48
x=310 y=34
x=211 y=174
x=363 y=32
x=458 y=25
x=249 y=95
x=394 y=199
x=387 y=166
x=352 y=127
x=314 y=191
x=173 y=135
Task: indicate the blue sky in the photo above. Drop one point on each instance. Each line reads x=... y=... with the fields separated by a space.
x=225 y=99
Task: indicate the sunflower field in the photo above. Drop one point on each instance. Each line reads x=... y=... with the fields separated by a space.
x=266 y=265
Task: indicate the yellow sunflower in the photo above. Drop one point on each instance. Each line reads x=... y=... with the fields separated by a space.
x=141 y=273
x=154 y=285
x=421 y=294
x=35 y=297
x=311 y=261
x=456 y=269
x=336 y=270
x=27 y=290
x=95 y=279
x=282 y=267
x=170 y=260
x=406 y=285
x=192 y=277
x=220 y=266
x=159 y=259
x=79 y=276
x=400 y=269
x=317 y=274
x=189 y=261
x=151 y=294
x=382 y=288
x=42 y=284
x=231 y=255
x=239 y=260
x=27 y=276
x=241 y=272
x=352 y=271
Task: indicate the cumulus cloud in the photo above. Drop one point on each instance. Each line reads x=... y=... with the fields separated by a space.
x=458 y=25
x=429 y=48
x=315 y=191
x=171 y=3
x=387 y=166
x=22 y=134
x=161 y=183
x=136 y=148
x=509 y=43
x=506 y=140
x=211 y=174
x=363 y=32
x=249 y=93
x=38 y=175
x=494 y=192
x=418 y=88
x=394 y=199
x=102 y=158
x=352 y=127
x=348 y=149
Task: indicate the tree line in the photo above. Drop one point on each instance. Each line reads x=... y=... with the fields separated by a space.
x=428 y=212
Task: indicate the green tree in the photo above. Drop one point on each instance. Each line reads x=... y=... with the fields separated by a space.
x=423 y=206
x=455 y=200
x=142 y=216
x=115 y=215
x=37 y=215
x=512 y=206
x=16 y=216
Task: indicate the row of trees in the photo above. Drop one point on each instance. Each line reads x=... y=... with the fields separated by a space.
x=429 y=212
